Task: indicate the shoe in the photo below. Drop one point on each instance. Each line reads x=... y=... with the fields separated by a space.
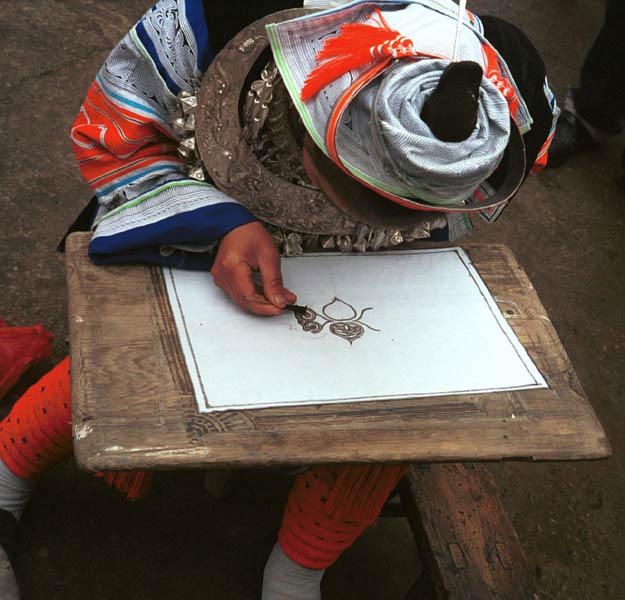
x=8 y=535
x=570 y=138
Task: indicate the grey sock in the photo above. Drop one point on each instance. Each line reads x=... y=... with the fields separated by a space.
x=15 y=492
x=284 y=579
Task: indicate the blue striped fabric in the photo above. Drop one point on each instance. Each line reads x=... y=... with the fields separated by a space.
x=197 y=21
x=148 y=44
x=166 y=52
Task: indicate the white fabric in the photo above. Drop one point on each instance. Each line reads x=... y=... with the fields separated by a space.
x=427 y=308
x=177 y=50
x=168 y=201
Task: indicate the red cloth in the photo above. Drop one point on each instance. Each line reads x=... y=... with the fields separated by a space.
x=330 y=506
x=20 y=347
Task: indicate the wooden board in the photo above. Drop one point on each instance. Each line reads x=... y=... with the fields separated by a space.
x=133 y=407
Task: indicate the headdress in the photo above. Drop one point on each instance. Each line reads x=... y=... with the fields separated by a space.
x=358 y=76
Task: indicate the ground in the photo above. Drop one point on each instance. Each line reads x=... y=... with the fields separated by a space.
x=79 y=539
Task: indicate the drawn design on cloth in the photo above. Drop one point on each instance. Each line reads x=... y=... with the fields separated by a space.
x=348 y=326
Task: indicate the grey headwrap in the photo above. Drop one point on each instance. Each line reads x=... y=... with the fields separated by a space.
x=444 y=171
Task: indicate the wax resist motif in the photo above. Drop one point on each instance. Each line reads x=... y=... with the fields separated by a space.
x=349 y=326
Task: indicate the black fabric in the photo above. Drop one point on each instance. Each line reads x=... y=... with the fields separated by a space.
x=571 y=137
x=528 y=70
x=8 y=533
x=82 y=222
x=600 y=97
x=225 y=18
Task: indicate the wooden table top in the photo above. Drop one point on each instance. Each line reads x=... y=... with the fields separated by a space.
x=133 y=405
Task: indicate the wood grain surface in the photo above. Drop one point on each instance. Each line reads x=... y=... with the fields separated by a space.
x=133 y=406
x=466 y=541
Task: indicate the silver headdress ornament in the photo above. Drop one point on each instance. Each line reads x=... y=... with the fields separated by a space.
x=249 y=144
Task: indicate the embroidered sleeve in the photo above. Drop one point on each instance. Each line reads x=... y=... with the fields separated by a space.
x=126 y=147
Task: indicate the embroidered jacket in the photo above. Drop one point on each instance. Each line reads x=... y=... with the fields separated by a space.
x=126 y=148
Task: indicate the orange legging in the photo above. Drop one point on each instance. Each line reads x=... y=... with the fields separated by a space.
x=37 y=433
x=328 y=507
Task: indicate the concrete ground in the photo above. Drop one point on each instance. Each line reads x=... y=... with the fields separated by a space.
x=80 y=540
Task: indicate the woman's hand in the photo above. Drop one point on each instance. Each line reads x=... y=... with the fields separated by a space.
x=242 y=251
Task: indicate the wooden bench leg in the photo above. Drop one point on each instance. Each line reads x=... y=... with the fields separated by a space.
x=422 y=589
x=469 y=548
x=216 y=482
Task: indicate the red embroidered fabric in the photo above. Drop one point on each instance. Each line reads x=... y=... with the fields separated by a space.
x=111 y=142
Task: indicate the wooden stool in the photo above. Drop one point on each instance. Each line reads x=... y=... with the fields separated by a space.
x=468 y=546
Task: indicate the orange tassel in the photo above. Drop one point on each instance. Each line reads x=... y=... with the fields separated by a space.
x=355 y=45
x=135 y=484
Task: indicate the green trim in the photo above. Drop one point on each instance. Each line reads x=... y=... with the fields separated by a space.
x=421 y=194
x=292 y=86
x=149 y=195
x=141 y=47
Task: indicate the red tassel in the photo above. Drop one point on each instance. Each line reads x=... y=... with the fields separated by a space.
x=494 y=73
x=356 y=45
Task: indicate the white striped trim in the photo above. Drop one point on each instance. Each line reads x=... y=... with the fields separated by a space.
x=171 y=199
